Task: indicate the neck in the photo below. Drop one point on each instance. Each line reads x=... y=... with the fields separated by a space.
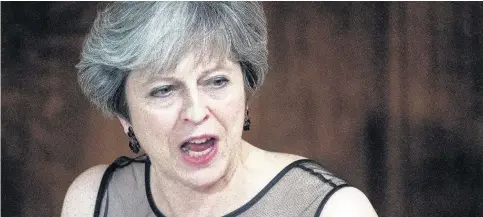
x=178 y=199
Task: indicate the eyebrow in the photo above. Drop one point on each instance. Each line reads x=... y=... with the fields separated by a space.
x=205 y=72
x=217 y=67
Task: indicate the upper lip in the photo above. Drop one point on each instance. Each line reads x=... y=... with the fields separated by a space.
x=204 y=136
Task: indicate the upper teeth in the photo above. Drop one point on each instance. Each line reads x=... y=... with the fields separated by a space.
x=198 y=141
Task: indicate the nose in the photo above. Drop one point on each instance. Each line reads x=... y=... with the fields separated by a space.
x=195 y=109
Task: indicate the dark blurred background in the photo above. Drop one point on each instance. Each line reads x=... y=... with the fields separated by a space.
x=389 y=96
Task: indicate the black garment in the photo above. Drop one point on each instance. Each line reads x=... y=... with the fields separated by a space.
x=301 y=189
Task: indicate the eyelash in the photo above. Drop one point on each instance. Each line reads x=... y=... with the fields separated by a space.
x=167 y=88
x=215 y=80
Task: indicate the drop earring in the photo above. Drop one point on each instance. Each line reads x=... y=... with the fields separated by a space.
x=246 y=124
x=133 y=141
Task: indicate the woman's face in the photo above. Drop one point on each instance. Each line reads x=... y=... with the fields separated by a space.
x=189 y=121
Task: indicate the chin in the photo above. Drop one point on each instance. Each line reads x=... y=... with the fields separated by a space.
x=205 y=178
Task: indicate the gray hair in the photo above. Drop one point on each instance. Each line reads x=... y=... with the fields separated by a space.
x=154 y=36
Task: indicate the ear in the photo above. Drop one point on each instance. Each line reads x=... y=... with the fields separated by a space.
x=125 y=124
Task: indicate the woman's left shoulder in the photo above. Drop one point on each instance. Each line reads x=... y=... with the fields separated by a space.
x=338 y=202
x=273 y=163
x=282 y=160
x=348 y=197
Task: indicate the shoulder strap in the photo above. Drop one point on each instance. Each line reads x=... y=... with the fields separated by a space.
x=316 y=169
x=326 y=198
x=118 y=163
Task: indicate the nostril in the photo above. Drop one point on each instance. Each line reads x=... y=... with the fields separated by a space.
x=196 y=115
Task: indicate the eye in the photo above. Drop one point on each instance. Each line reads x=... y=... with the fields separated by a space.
x=218 y=81
x=162 y=91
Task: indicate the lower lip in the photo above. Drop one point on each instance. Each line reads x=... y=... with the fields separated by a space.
x=201 y=160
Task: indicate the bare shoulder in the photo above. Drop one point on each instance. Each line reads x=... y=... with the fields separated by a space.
x=281 y=160
x=348 y=197
x=80 y=199
x=273 y=163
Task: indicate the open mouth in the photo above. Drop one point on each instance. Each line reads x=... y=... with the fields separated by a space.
x=199 y=151
x=198 y=147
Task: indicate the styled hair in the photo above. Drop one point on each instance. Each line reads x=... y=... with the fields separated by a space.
x=153 y=37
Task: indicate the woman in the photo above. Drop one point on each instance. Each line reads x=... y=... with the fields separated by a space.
x=178 y=76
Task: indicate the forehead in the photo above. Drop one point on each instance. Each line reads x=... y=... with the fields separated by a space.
x=190 y=63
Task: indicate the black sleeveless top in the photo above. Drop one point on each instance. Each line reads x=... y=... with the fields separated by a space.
x=301 y=189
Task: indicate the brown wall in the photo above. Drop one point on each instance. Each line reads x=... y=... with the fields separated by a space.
x=387 y=95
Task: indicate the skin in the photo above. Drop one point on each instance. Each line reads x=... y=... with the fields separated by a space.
x=196 y=98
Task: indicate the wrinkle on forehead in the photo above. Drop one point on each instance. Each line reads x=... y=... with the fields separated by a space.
x=195 y=60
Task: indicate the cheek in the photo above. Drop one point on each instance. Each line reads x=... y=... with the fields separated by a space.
x=151 y=122
x=231 y=112
x=154 y=125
